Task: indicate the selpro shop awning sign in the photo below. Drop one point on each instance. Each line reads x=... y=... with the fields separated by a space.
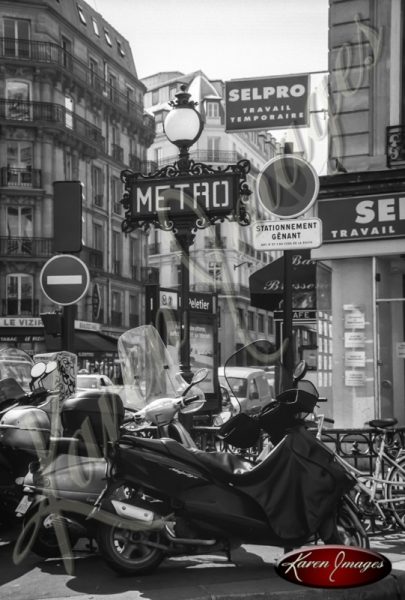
x=360 y=218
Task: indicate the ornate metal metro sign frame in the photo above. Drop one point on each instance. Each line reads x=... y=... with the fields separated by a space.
x=177 y=179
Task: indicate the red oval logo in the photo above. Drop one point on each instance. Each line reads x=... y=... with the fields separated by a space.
x=333 y=566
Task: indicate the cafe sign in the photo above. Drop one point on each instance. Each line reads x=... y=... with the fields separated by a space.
x=361 y=218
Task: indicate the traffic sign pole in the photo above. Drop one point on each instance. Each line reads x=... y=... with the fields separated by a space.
x=68 y=327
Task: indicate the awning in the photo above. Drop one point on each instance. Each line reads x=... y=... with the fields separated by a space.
x=267 y=284
x=85 y=341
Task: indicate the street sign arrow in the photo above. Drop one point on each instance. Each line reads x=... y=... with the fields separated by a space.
x=64 y=279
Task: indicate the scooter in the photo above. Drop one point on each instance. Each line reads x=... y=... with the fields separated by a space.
x=25 y=424
x=60 y=493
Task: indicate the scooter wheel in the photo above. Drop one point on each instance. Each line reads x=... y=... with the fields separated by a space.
x=130 y=552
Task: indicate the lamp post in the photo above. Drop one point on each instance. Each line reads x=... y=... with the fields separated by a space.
x=183 y=126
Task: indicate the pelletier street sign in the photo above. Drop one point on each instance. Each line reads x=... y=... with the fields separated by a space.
x=287 y=235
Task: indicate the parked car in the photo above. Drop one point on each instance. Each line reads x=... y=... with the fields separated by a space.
x=249 y=385
x=94 y=381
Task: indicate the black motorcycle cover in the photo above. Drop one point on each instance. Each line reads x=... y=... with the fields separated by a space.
x=303 y=487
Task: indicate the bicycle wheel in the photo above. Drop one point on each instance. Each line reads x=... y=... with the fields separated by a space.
x=395 y=491
x=371 y=518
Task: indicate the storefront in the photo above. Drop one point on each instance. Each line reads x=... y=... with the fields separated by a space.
x=363 y=217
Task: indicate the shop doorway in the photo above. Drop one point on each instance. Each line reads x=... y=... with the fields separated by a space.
x=390 y=337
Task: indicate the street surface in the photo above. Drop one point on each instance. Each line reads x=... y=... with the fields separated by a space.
x=250 y=575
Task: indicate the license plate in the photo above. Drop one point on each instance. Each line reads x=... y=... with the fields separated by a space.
x=24 y=505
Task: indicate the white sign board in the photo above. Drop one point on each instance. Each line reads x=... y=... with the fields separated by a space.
x=287 y=235
x=355 y=378
x=355 y=339
x=355 y=358
x=400 y=349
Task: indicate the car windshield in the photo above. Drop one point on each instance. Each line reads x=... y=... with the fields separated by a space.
x=17 y=364
x=91 y=382
x=238 y=385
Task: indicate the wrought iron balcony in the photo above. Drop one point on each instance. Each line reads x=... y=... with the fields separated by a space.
x=20 y=177
x=93 y=258
x=11 y=307
x=206 y=156
x=48 y=112
x=395 y=146
x=26 y=247
x=37 y=52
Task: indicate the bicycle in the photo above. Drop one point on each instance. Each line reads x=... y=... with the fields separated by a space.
x=381 y=500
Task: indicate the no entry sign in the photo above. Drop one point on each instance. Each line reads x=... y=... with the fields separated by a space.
x=64 y=279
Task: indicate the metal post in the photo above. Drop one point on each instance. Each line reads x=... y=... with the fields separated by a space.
x=185 y=239
x=68 y=327
x=288 y=357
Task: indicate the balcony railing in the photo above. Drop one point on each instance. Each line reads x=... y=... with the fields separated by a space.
x=26 y=247
x=51 y=53
x=206 y=156
x=142 y=166
x=92 y=257
x=20 y=177
x=19 y=307
x=48 y=112
x=395 y=150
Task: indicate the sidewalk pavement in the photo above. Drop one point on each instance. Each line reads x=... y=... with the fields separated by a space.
x=250 y=576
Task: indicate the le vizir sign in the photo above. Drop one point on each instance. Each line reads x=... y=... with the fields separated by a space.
x=152 y=199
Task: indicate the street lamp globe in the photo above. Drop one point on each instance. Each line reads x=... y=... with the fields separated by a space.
x=183 y=124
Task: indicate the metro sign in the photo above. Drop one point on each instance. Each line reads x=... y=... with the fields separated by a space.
x=153 y=199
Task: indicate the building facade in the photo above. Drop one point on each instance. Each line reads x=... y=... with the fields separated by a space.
x=222 y=257
x=361 y=204
x=71 y=108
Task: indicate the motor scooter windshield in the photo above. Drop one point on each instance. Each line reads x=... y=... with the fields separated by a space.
x=148 y=370
x=17 y=364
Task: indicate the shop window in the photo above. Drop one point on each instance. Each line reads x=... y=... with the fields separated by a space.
x=19 y=294
x=16 y=38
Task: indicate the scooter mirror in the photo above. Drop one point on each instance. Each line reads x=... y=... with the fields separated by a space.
x=193 y=407
x=51 y=366
x=38 y=370
x=300 y=370
x=199 y=376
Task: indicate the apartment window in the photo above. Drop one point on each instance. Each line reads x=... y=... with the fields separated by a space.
x=158 y=155
x=251 y=320
x=155 y=97
x=98 y=236
x=97 y=183
x=212 y=110
x=19 y=294
x=120 y=49
x=66 y=53
x=95 y=26
x=19 y=154
x=116 y=311
x=260 y=322
x=116 y=252
x=18 y=96
x=213 y=147
x=130 y=97
x=112 y=80
x=19 y=221
x=241 y=316
x=93 y=67
x=135 y=258
x=107 y=37
x=133 y=311
x=215 y=270
x=116 y=192
x=68 y=165
x=16 y=37
x=81 y=14
x=68 y=112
